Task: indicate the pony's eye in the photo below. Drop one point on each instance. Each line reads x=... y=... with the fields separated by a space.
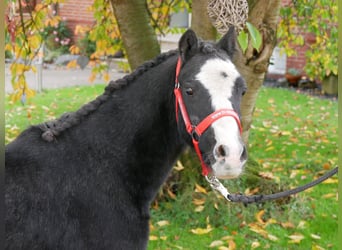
x=189 y=91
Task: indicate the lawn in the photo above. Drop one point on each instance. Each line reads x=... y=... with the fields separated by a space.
x=293 y=139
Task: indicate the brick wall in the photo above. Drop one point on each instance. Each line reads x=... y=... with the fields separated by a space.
x=298 y=61
x=75 y=12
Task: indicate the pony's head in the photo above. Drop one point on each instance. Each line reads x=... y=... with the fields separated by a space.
x=210 y=85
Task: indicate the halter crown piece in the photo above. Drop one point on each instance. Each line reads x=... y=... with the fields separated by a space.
x=196 y=131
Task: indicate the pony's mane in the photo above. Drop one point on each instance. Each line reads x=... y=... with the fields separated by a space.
x=53 y=128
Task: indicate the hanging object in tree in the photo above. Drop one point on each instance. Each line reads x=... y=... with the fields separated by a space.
x=226 y=13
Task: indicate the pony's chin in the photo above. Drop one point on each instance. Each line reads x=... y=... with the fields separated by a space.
x=225 y=171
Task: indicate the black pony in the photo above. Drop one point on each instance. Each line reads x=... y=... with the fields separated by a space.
x=86 y=180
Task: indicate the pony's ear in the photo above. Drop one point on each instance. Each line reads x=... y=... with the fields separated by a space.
x=188 y=45
x=228 y=42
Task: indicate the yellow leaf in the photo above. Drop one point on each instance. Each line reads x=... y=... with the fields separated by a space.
x=272 y=237
x=34 y=69
x=92 y=77
x=15 y=96
x=163 y=223
x=29 y=92
x=179 y=166
x=317 y=247
x=200 y=189
x=216 y=243
x=257 y=229
x=72 y=64
x=315 y=236
x=201 y=230
x=259 y=215
x=255 y=244
x=301 y=224
x=199 y=209
x=271 y=221
x=269 y=149
x=163 y=237
x=172 y=195
x=151 y=226
x=296 y=238
x=330 y=195
x=106 y=77
x=232 y=245
x=330 y=181
x=74 y=50
x=287 y=225
x=198 y=202
x=227 y=238
x=153 y=237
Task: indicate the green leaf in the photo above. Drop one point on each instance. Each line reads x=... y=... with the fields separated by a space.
x=255 y=36
x=243 y=40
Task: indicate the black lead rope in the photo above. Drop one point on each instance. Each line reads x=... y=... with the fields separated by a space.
x=247 y=199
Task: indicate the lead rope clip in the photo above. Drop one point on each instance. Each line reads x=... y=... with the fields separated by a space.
x=217 y=185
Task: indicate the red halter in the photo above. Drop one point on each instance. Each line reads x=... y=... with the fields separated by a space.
x=196 y=131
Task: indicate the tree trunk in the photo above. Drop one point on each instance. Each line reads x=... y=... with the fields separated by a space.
x=139 y=38
x=264 y=15
x=200 y=21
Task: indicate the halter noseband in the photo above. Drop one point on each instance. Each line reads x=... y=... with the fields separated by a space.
x=196 y=131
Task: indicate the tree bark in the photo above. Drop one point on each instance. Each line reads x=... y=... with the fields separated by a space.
x=139 y=38
x=253 y=65
x=200 y=21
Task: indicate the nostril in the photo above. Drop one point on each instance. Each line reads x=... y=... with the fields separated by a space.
x=243 y=156
x=222 y=151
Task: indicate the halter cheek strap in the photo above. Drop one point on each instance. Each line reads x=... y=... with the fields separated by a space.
x=196 y=131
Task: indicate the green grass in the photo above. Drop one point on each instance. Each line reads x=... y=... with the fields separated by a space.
x=293 y=139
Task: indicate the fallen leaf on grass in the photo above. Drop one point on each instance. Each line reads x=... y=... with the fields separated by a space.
x=330 y=195
x=202 y=230
x=302 y=224
x=179 y=166
x=200 y=189
x=259 y=215
x=315 y=236
x=255 y=244
x=330 y=181
x=227 y=238
x=216 y=243
x=272 y=237
x=199 y=209
x=287 y=224
x=198 y=202
x=153 y=237
x=258 y=229
x=296 y=238
x=317 y=247
x=172 y=195
x=232 y=245
x=163 y=223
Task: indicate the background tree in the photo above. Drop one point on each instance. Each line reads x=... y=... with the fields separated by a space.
x=138 y=35
x=253 y=63
x=200 y=21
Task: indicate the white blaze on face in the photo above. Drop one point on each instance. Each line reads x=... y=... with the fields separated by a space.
x=218 y=76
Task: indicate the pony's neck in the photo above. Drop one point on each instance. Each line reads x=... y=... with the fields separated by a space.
x=155 y=143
